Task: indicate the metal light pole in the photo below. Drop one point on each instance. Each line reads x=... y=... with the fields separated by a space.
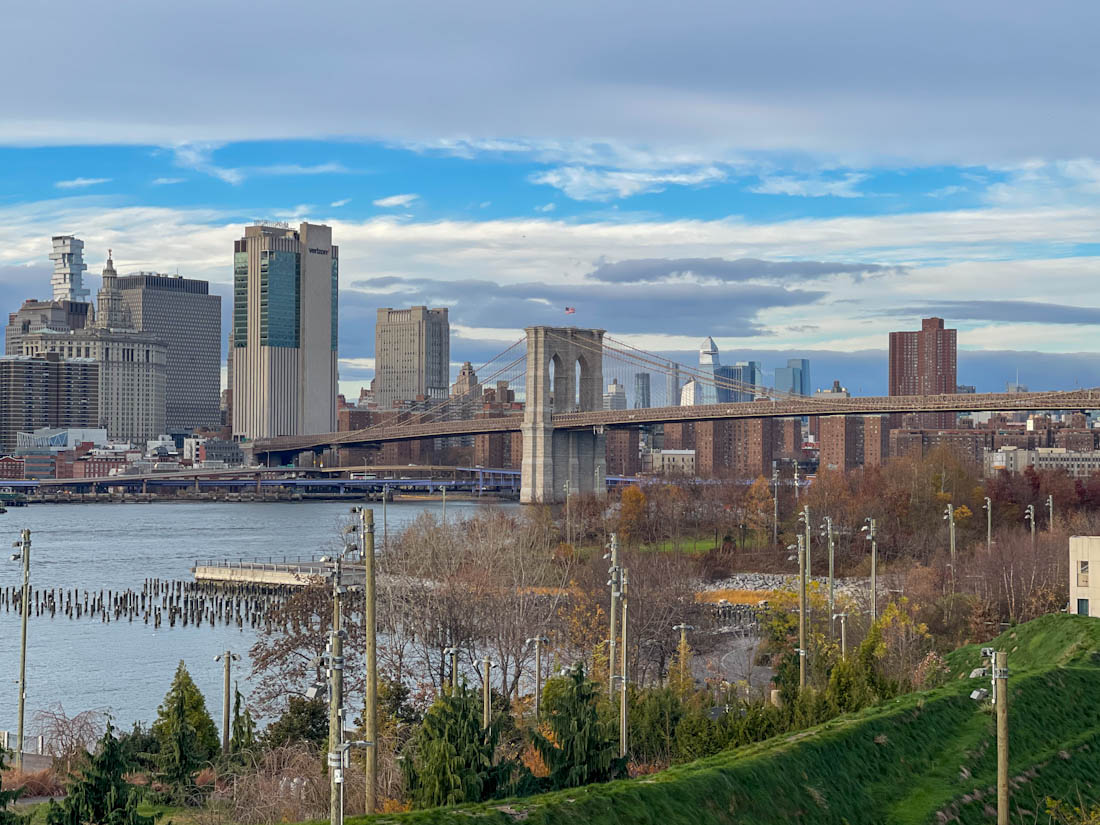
x=869 y=529
x=452 y=652
x=828 y=527
x=486 y=696
x=1050 y=513
x=801 y=612
x=538 y=642
x=1029 y=516
x=370 y=633
x=228 y=657
x=806 y=522
x=795 y=476
x=623 y=739
x=988 y=506
x=615 y=582
x=843 y=634
x=683 y=628
x=949 y=517
x=24 y=545
x=444 y=506
x=775 y=503
x=336 y=703
x=568 y=518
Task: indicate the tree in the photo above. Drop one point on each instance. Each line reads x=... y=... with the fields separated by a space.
x=680 y=676
x=100 y=795
x=206 y=734
x=452 y=754
x=7 y=798
x=759 y=506
x=304 y=720
x=632 y=514
x=244 y=729
x=581 y=748
x=179 y=757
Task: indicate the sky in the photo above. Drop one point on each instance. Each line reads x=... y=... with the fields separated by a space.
x=795 y=179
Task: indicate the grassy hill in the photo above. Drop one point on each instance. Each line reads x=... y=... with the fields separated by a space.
x=924 y=758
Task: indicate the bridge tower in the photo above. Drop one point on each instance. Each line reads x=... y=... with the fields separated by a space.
x=564 y=374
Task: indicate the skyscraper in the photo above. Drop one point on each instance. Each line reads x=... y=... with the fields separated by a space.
x=68 y=269
x=641 y=391
x=706 y=391
x=50 y=391
x=183 y=314
x=672 y=385
x=285 y=300
x=615 y=397
x=412 y=355
x=795 y=377
x=925 y=363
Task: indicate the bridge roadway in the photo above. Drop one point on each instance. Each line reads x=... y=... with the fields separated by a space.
x=1088 y=399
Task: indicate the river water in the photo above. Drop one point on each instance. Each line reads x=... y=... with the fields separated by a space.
x=125 y=667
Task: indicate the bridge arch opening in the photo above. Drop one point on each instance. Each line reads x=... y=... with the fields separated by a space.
x=559 y=393
x=578 y=375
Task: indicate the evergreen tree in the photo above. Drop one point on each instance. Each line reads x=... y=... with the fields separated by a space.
x=100 y=795
x=206 y=733
x=582 y=747
x=304 y=720
x=243 y=728
x=179 y=757
x=452 y=754
x=7 y=798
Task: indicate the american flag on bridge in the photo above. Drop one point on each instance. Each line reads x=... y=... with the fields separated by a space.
x=570 y=310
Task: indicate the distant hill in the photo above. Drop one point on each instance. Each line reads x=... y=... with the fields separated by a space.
x=923 y=758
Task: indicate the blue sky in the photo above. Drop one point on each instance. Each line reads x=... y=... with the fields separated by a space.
x=791 y=179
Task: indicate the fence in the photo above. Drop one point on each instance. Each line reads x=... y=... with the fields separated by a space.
x=31 y=744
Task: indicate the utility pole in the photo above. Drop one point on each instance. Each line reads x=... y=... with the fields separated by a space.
x=538 y=642
x=843 y=634
x=452 y=653
x=775 y=503
x=335 y=703
x=385 y=520
x=1000 y=698
x=444 y=506
x=869 y=528
x=1050 y=513
x=1029 y=516
x=24 y=545
x=988 y=506
x=370 y=633
x=486 y=696
x=226 y=657
x=801 y=614
x=828 y=525
x=616 y=589
x=568 y=519
x=796 y=491
x=623 y=740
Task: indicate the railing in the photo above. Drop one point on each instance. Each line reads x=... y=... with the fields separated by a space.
x=31 y=744
x=298 y=565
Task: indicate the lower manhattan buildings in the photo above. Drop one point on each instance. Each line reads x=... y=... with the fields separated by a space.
x=285 y=284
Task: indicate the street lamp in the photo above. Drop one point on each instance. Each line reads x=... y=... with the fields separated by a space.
x=827 y=532
x=24 y=547
x=538 y=642
x=804 y=519
x=228 y=657
x=615 y=583
x=1050 y=513
x=452 y=653
x=775 y=505
x=801 y=609
x=1029 y=516
x=949 y=517
x=988 y=507
x=843 y=633
x=869 y=529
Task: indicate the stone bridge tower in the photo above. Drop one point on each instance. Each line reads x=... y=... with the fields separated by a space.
x=564 y=374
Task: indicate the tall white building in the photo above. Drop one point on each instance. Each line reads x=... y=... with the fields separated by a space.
x=68 y=269
x=412 y=355
x=615 y=397
x=285 y=300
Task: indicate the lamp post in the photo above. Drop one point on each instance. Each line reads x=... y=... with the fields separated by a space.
x=988 y=506
x=827 y=527
x=370 y=654
x=452 y=654
x=24 y=545
x=486 y=695
x=228 y=657
x=683 y=628
x=801 y=611
x=869 y=529
x=1029 y=516
x=805 y=519
x=775 y=503
x=1050 y=513
x=568 y=519
x=949 y=517
x=623 y=738
x=538 y=642
x=843 y=633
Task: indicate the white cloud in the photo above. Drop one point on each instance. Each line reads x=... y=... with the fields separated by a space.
x=587 y=184
x=546 y=207
x=80 y=183
x=199 y=156
x=298 y=169
x=396 y=201
x=362 y=363
x=812 y=186
x=947 y=191
x=339 y=203
x=167 y=181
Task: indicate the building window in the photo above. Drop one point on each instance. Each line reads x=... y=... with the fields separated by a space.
x=1082 y=607
x=1082 y=574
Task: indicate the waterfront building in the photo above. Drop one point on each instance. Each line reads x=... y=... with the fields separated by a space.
x=183 y=314
x=925 y=363
x=68 y=269
x=285 y=296
x=412 y=355
x=46 y=391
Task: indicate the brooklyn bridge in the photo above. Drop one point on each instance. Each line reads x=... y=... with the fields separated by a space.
x=560 y=374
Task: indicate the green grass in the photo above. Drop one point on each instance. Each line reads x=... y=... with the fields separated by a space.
x=900 y=763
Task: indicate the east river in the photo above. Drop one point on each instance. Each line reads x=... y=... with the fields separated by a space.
x=126 y=667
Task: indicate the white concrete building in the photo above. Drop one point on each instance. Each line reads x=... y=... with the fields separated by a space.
x=1084 y=575
x=285 y=298
x=68 y=269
